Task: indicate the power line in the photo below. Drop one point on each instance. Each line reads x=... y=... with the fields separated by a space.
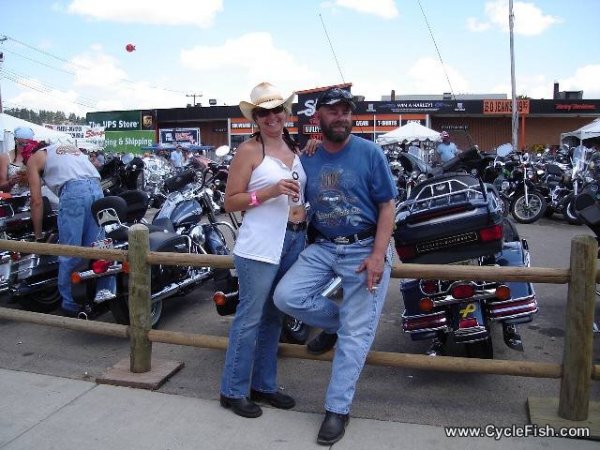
x=41 y=89
x=47 y=87
x=332 y=50
x=59 y=58
x=436 y=48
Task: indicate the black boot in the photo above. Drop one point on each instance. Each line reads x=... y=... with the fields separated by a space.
x=333 y=428
x=275 y=399
x=322 y=343
x=241 y=406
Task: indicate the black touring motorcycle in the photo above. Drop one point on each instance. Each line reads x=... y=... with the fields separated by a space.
x=456 y=218
x=177 y=227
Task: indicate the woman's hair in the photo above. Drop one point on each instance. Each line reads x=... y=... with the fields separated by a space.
x=287 y=138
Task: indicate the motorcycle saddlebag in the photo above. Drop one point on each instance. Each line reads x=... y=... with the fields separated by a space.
x=449 y=218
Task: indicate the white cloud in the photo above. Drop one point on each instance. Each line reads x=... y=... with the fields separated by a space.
x=172 y=12
x=99 y=84
x=95 y=68
x=427 y=76
x=37 y=96
x=586 y=79
x=529 y=19
x=382 y=8
x=236 y=60
x=473 y=24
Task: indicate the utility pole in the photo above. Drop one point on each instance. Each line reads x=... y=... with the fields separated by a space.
x=2 y=39
x=194 y=97
x=515 y=112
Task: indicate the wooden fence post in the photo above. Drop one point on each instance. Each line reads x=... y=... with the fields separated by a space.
x=577 y=355
x=139 y=299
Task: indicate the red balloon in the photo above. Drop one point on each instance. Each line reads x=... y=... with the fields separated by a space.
x=130 y=47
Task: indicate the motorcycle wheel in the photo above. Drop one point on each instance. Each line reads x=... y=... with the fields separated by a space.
x=569 y=213
x=294 y=331
x=44 y=301
x=481 y=349
x=528 y=214
x=120 y=311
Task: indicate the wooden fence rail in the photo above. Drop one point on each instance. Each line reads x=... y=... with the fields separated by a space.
x=575 y=372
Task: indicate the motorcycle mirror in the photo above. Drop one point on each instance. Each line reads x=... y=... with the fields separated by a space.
x=504 y=150
x=127 y=158
x=222 y=150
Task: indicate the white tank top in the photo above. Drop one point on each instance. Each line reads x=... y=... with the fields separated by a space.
x=65 y=162
x=263 y=228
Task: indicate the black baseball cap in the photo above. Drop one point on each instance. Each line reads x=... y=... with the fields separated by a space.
x=335 y=95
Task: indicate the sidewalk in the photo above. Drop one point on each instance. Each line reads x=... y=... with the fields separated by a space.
x=46 y=412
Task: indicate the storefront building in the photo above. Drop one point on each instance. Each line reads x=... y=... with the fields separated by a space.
x=485 y=122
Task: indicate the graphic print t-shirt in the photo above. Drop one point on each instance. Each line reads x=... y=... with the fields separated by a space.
x=345 y=188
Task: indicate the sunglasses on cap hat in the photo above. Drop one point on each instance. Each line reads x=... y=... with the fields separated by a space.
x=262 y=112
x=336 y=95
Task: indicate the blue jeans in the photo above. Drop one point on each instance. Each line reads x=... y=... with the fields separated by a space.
x=76 y=226
x=251 y=358
x=354 y=320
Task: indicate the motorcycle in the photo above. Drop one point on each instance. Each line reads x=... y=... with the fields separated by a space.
x=176 y=227
x=121 y=174
x=527 y=202
x=587 y=208
x=16 y=224
x=456 y=218
x=156 y=171
x=216 y=175
x=563 y=185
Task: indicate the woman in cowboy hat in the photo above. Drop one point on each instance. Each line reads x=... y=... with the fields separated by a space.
x=266 y=180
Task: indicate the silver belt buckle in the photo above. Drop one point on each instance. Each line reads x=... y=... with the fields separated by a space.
x=341 y=240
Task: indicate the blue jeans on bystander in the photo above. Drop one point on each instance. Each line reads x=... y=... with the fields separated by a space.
x=76 y=226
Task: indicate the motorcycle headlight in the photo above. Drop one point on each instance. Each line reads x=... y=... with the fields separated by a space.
x=540 y=172
x=504 y=186
x=197 y=235
x=421 y=177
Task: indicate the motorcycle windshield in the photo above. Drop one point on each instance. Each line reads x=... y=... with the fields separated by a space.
x=169 y=205
x=579 y=158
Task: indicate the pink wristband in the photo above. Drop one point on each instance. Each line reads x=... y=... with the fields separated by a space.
x=254 y=199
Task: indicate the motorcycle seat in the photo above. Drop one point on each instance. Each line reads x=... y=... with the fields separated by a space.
x=121 y=234
x=137 y=204
x=168 y=242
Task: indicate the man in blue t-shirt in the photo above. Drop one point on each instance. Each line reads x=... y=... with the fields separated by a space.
x=351 y=194
x=446 y=150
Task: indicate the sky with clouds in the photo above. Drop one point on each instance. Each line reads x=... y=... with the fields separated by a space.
x=71 y=55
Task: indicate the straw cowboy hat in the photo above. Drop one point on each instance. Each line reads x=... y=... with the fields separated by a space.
x=266 y=96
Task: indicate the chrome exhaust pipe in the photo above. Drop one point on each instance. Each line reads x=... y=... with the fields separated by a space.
x=175 y=287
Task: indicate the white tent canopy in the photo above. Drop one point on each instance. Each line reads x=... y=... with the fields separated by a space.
x=591 y=130
x=9 y=123
x=412 y=131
